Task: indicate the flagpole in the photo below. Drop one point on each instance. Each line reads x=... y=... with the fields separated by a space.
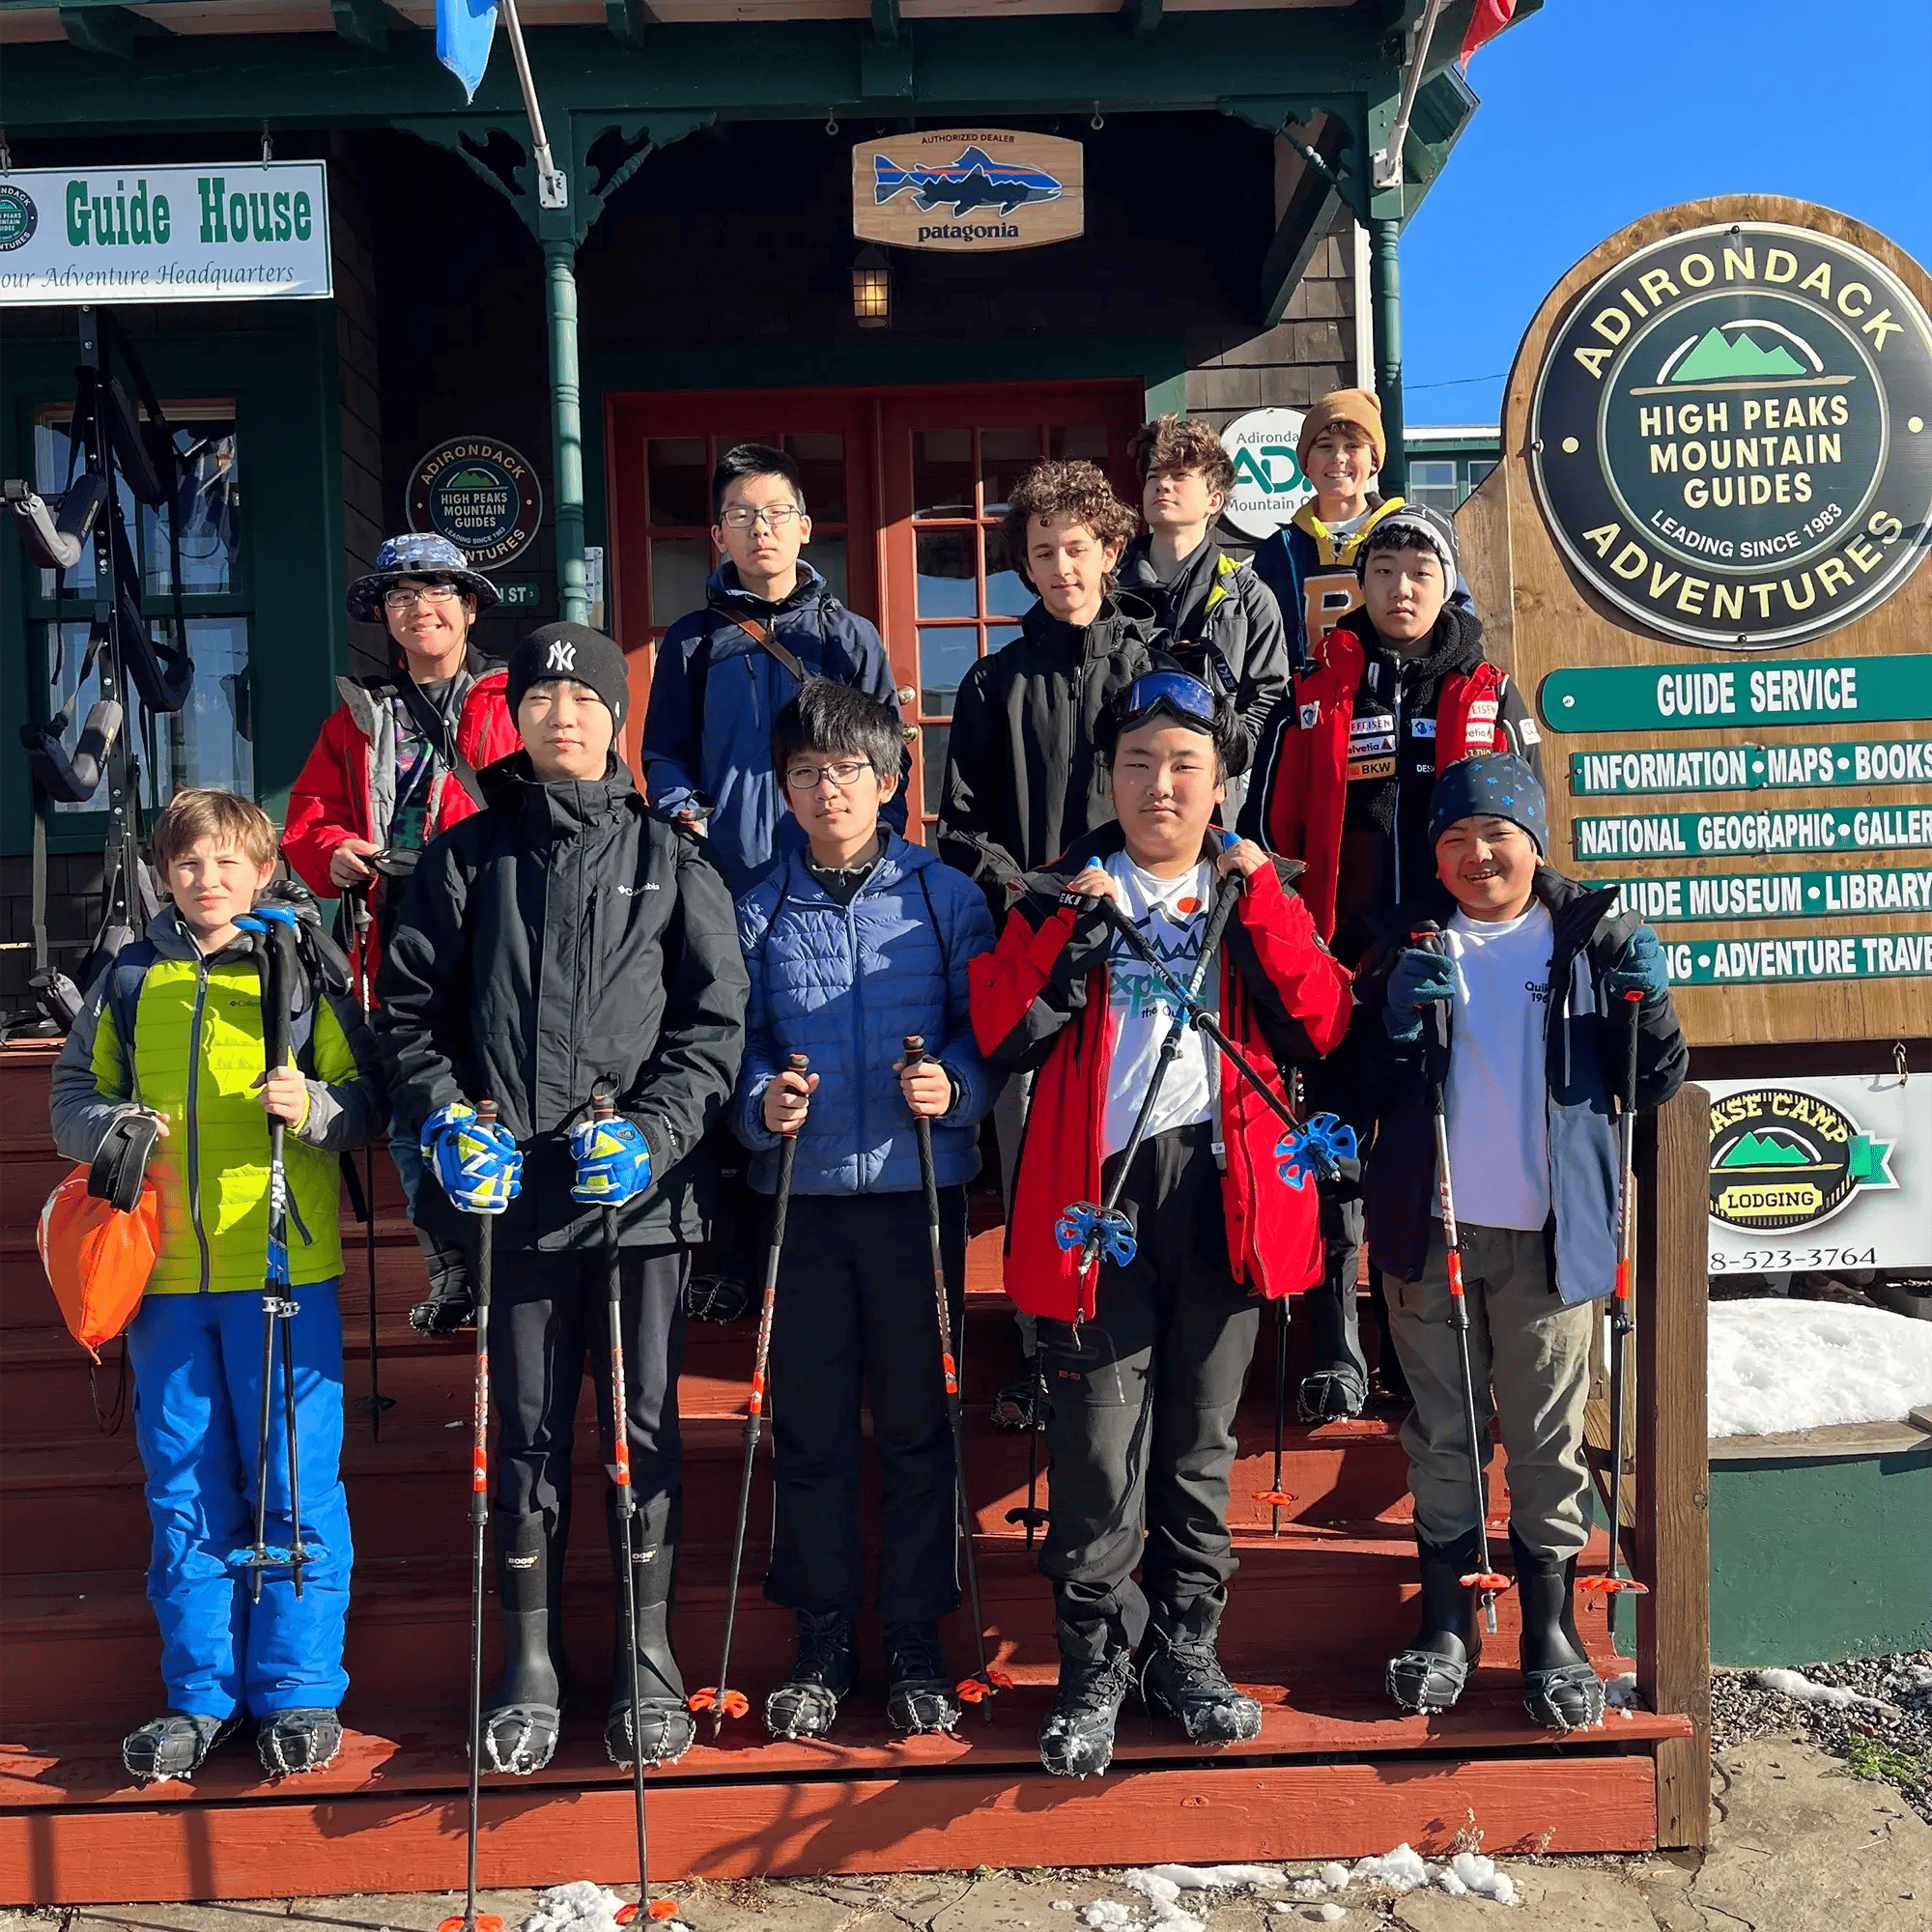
x=553 y=186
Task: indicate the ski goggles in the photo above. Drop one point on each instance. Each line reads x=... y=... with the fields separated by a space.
x=1184 y=698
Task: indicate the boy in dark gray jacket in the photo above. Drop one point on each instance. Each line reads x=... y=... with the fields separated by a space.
x=1536 y=971
x=854 y=944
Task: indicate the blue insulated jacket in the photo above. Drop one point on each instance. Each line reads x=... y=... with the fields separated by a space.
x=715 y=696
x=843 y=984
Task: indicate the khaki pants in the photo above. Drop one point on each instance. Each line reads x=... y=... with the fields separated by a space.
x=1530 y=1356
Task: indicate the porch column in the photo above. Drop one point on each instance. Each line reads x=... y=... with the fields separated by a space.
x=566 y=426
x=1385 y=295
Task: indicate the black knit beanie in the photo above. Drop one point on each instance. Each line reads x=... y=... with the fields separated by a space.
x=572 y=652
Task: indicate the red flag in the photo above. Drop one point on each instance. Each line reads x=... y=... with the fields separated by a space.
x=1489 y=20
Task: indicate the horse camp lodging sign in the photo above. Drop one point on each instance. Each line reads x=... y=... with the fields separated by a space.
x=1713 y=505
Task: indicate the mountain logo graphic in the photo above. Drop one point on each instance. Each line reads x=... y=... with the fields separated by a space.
x=1716 y=357
x=1782 y=1158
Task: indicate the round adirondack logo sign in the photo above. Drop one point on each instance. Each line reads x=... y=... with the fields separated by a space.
x=18 y=217
x=481 y=495
x=1785 y=1158
x=1731 y=434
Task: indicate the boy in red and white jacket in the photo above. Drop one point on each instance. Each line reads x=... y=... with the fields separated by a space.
x=1146 y=1351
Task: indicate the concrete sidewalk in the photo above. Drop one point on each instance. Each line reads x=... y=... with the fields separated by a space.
x=1799 y=1847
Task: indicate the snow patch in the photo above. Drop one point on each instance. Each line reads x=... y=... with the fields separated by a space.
x=1104 y=1916
x=1620 y=1693
x=1162 y=1895
x=582 y=1907
x=1471 y=1871
x=1333 y=1875
x=1401 y=1870
x=1223 y=1878
x=1777 y=1365
x=1801 y=1689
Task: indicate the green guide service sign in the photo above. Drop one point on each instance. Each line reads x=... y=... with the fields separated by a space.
x=1648 y=698
x=1731 y=434
x=226 y=232
x=481 y=495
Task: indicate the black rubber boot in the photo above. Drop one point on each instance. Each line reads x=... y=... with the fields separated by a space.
x=1431 y=1673
x=294 y=1741
x=1560 y=1685
x=174 y=1744
x=523 y=1717
x=450 y=1306
x=665 y=1727
x=1097 y=1666
x=1181 y=1677
x=1338 y=1386
x=827 y=1666
x=918 y=1694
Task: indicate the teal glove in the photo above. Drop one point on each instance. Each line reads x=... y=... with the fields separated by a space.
x=1420 y=979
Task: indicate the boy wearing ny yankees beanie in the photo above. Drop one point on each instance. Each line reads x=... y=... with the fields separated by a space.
x=1543 y=980
x=562 y=944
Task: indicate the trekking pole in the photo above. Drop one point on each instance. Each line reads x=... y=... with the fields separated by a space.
x=1032 y=1516
x=1428 y=936
x=479 y=1517
x=1275 y=1496
x=1101 y=1227
x=1622 y=1328
x=719 y=1698
x=273 y=927
x=646 y=1907
x=375 y=1402
x=986 y=1683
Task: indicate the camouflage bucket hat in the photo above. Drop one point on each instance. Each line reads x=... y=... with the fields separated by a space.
x=418 y=557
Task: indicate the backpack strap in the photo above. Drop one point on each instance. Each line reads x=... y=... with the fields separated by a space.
x=760 y=634
x=123 y=999
x=437 y=733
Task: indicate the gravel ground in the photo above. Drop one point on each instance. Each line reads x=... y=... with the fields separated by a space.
x=1894 y=1743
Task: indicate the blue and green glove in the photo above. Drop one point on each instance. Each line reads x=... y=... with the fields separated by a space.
x=1639 y=969
x=614 y=1163
x=477 y=1163
x=1421 y=979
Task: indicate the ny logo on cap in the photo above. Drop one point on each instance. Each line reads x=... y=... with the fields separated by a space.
x=563 y=657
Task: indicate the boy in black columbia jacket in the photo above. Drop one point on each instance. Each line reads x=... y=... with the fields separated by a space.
x=1538 y=974
x=560 y=943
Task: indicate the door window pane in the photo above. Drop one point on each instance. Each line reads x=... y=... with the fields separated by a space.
x=821 y=473
x=680 y=481
x=679 y=567
x=1006 y=455
x=999 y=636
x=1007 y=592
x=827 y=556
x=942 y=472
x=932 y=740
x=1087 y=440
x=946 y=654
x=948 y=564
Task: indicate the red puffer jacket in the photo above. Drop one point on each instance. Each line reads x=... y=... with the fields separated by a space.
x=347 y=787
x=1039 y=1000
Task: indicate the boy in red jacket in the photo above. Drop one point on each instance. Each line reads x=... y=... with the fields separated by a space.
x=1148 y=1346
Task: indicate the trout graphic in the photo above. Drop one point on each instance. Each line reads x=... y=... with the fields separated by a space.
x=976 y=180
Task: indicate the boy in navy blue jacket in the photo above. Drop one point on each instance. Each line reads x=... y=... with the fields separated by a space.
x=854 y=943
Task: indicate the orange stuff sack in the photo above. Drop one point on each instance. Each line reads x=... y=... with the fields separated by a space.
x=98 y=1257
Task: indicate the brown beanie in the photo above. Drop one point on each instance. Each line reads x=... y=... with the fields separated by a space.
x=1349 y=406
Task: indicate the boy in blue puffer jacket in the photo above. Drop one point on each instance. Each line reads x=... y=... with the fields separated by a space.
x=852 y=944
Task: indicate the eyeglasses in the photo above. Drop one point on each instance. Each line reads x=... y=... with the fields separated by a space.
x=844 y=774
x=742 y=516
x=406 y=596
x=1175 y=690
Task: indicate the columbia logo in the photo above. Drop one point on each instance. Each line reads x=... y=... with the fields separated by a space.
x=632 y=892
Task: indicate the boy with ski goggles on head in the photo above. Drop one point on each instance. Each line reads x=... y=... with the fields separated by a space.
x=854 y=944
x=177 y=1027
x=1144 y=1231
x=562 y=944
x=1519 y=1013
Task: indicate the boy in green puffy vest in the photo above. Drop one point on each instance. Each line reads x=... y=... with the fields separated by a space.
x=175 y=1028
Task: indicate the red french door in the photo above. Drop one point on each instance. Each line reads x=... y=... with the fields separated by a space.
x=905 y=488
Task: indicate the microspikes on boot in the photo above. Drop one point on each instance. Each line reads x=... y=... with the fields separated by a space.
x=523 y=1717
x=1560 y=1685
x=919 y=1696
x=292 y=1742
x=1182 y=1678
x=806 y=1704
x=1076 y=1739
x=175 y=1745
x=1430 y=1675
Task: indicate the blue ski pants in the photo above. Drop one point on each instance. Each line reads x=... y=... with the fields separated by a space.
x=197 y=1362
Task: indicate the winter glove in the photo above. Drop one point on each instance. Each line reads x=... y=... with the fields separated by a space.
x=477 y=1165
x=1639 y=969
x=1420 y=979
x=613 y=1163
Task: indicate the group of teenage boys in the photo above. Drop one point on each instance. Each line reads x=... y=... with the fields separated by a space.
x=743 y=947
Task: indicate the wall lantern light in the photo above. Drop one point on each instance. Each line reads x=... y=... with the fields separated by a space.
x=871 y=290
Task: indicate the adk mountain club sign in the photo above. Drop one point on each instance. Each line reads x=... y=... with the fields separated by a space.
x=1731 y=434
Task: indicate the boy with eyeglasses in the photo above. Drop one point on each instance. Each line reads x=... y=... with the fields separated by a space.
x=1147 y=1327
x=723 y=674
x=853 y=944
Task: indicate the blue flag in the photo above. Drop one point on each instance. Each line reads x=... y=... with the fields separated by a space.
x=465 y=30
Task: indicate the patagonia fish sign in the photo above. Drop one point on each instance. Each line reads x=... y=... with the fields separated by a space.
x=228 y=231
x=971 y=190
x=1731 y=434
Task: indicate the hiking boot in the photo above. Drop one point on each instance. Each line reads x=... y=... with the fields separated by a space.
x=450 y=1306
x=1337 y=1389
x=1429 y=1676
x=718 y=1297
x=807 y=1702
x=297 y=1740
x=1560 y=1685
x=174 y=1744
x=1076 y=1739
x=1181 y=1677
x=919 y=1695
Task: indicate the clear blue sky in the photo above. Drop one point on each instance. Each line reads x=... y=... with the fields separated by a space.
x=1597 y=111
